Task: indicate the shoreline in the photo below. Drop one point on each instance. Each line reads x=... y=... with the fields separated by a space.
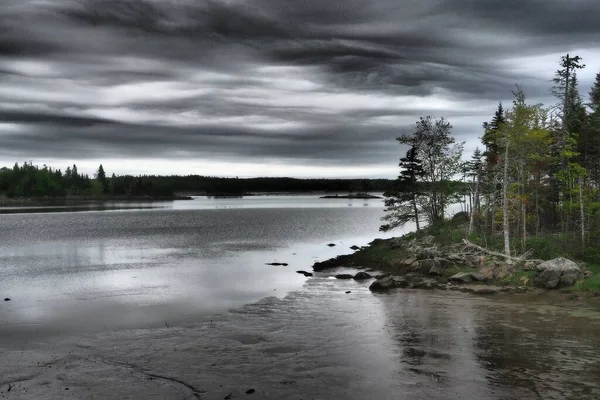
x=49 y=201
x=392 y=269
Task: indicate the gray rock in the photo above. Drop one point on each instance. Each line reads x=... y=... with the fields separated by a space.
x=361 y=276
x=479 y=277
x=462 y=277
x=387 y=283
x=436 y=270
x=556 y=273
x=559 y=264
x=473 y=261
x=344 y=276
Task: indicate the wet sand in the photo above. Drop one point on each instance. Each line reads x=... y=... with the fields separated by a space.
x=321 y=343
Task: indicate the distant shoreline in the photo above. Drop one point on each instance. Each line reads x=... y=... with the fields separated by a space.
x=42 y=201
x=352 y=196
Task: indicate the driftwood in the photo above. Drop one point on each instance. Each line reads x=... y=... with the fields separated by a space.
x=497 y=254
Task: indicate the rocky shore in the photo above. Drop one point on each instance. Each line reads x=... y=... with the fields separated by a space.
x=423 y=262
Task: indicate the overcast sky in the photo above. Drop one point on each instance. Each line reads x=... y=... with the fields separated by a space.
x=317 y=88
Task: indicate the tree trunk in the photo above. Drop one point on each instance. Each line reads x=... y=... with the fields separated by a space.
x=506 y=226
x=581 y=212
x=416 y=209
x=475 y=205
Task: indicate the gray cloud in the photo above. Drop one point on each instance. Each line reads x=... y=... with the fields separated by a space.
x=316 y=82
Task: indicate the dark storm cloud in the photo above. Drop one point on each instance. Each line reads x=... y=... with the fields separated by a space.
x=313 y=81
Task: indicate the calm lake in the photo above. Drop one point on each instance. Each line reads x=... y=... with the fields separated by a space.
x=131 y=265
x=174 y=301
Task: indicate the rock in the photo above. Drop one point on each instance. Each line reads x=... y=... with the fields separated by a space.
x=388 y=282
x=587 y=274
x=462 y=277
x=7 y=299
x=478 y=276
x=344 y=276
x=425 y=266
x=488 y=272
x=276 y=264
x=473 y=261
x=407 y=262
x=559 y=264
x=361 y=276
x=307 y=274
x=556 y=273
x=436 y=270
x=331 y=245
x=339 y=261
x=381 y=276
x=348 y=292
x=427 y=253
x=250 y=391
x=532 y=264
x=355 y=247
x=444 y=262
x=485 y=290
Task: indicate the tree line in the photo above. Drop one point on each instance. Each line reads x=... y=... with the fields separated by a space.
x=536 y=175
x=31 y=181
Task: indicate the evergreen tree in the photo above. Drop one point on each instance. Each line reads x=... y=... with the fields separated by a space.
x=101 y=177
x=402 y=204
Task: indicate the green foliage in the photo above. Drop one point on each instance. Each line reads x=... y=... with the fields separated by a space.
x=591 y=285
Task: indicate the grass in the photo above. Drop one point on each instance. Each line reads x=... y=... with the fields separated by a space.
x=455 y=269
x=591 y=285
x=520 y=278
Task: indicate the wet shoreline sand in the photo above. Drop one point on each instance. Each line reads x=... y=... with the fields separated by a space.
x=322 y=343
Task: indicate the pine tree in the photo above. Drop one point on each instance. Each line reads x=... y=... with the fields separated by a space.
x=101 y=177
x=402 y=204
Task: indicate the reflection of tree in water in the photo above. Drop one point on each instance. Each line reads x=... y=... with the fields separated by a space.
x=435 y=345
x=535 y=355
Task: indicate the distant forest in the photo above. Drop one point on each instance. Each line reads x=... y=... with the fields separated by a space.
x=31 y=181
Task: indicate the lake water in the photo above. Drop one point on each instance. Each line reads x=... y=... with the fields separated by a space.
x=130 y=265
x=92 y=290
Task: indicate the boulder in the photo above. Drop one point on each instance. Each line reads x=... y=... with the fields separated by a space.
x=488 y=272
x=355 y=247
x=361 y=276
x=407 y=262
x=331 y=245
x=344 y=276
x=462 y=277
x=436 y=270
x=389 y=282
x=479 y=277
x=307 y=274
x=425 y=266
x=556 y=273
x=559 y=264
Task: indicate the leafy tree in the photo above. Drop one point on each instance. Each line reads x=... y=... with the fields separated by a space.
x=440 y=157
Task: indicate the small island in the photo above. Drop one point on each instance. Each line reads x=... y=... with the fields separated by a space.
x=362 y=196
